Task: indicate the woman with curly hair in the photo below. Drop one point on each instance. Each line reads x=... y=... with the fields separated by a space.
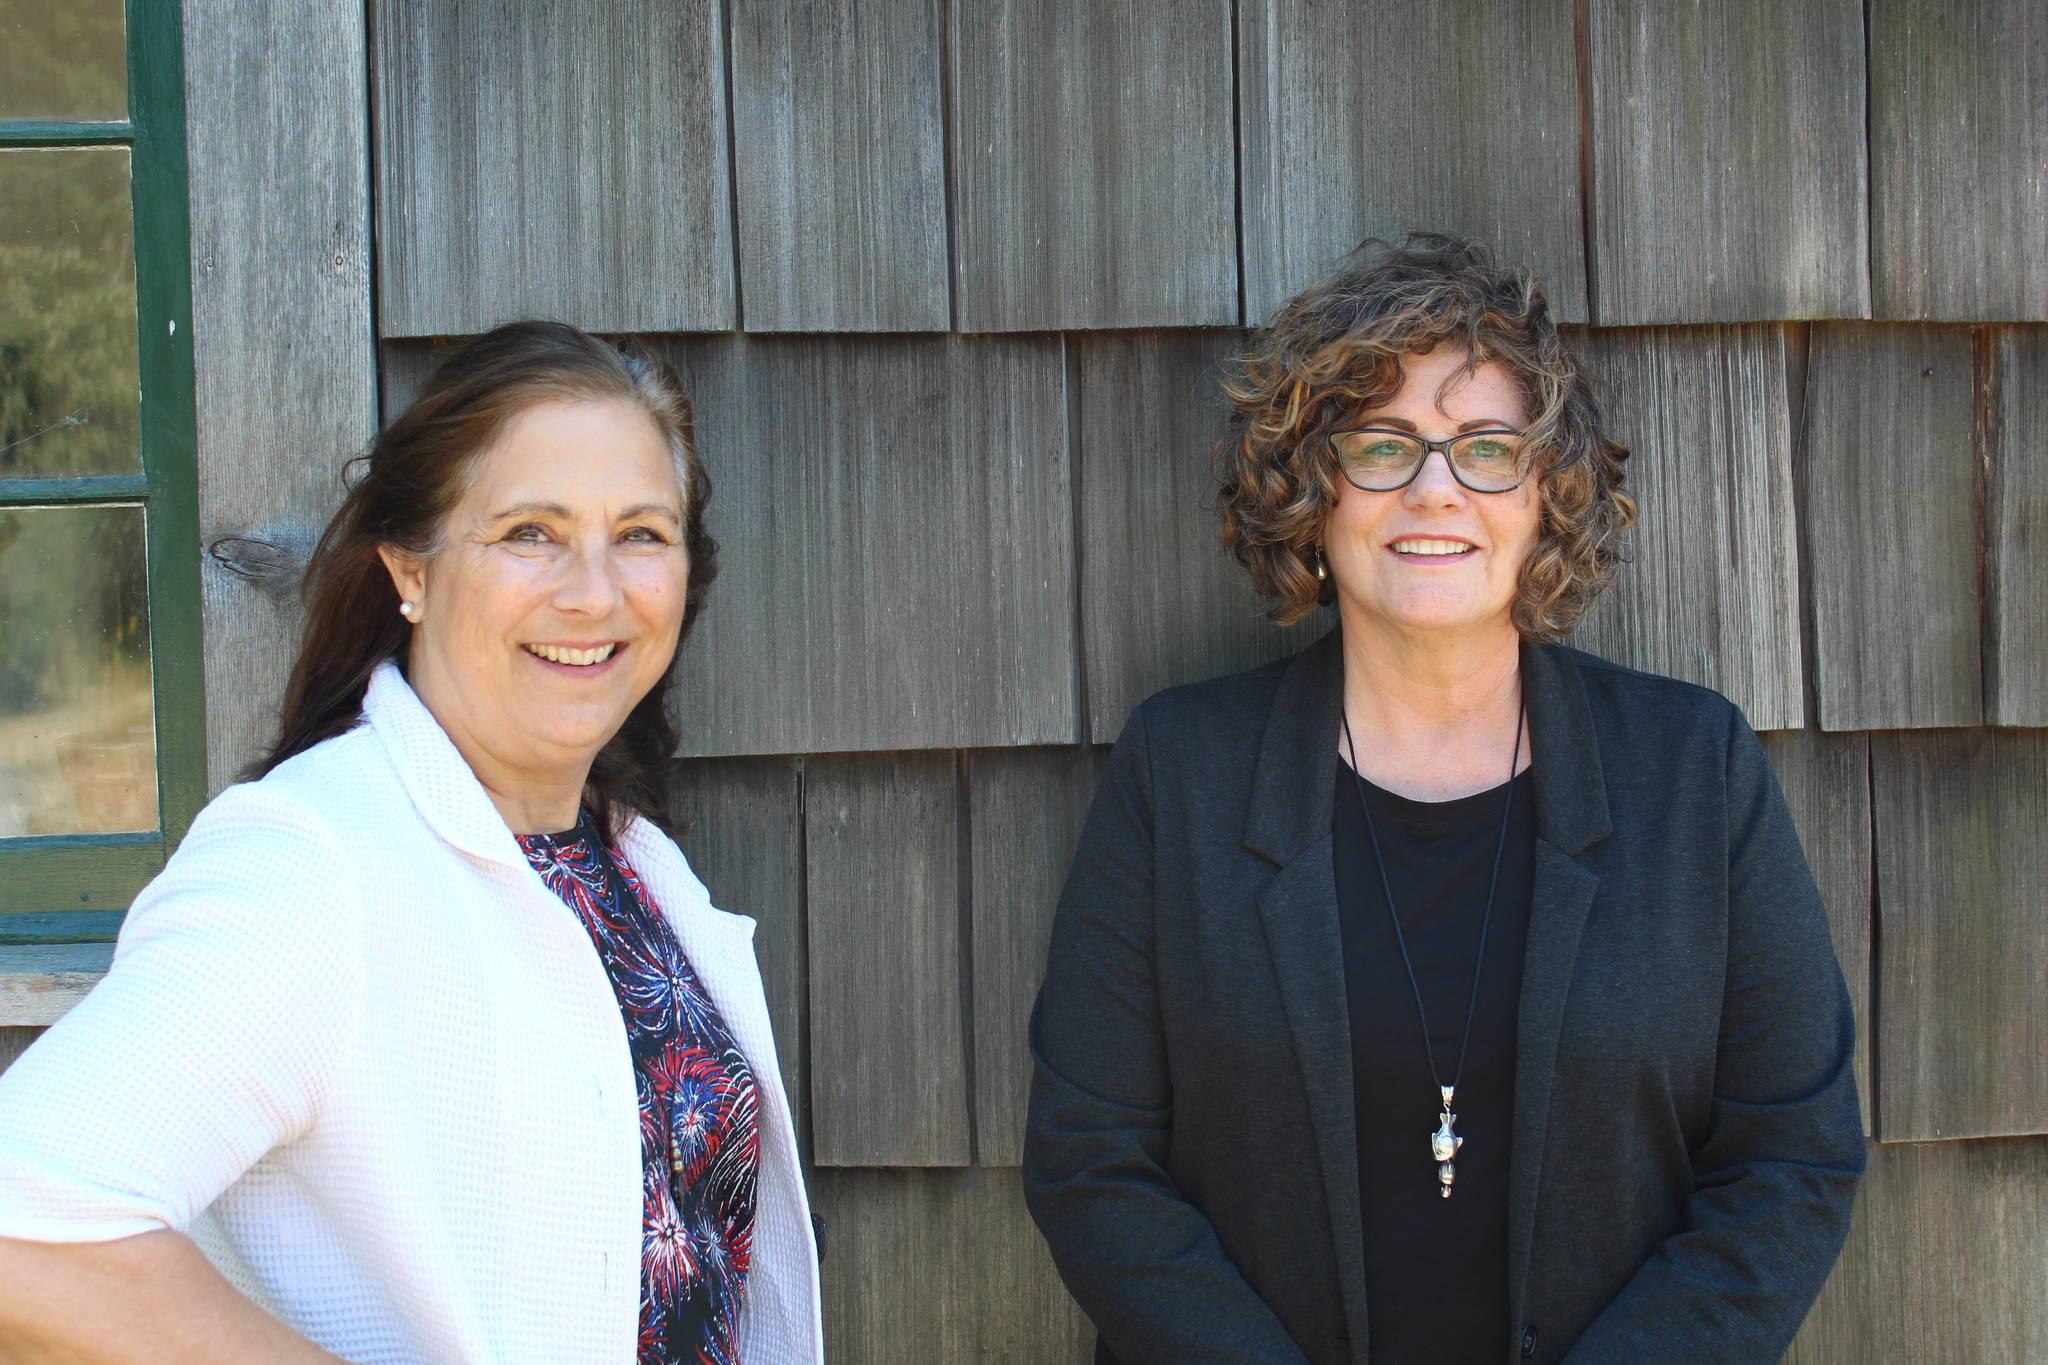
x=1441 y=993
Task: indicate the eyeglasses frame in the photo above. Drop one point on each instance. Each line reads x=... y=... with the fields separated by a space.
x=1429 y=448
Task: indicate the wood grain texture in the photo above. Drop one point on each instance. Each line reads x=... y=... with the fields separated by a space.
x=1895 y=590
x=1339 y=147
x=1962 y=895
x=896 y=554
x=1959 y=159
x=940 y=1266
x=1729 y=174
x=1944 y=1260
x=883 y=908
x=1711 y=594
x=839 y=153
x=1093 y=174
x=403 y=368
x=740 y=822
x=40 y=982
x=1025 y=808
x=14 y=1042
x=1162 y=602
x=565 y=160
x=285 y=369
x=2016 y=549
x=1826 y=779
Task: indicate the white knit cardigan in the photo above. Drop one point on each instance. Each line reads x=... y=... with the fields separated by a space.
x=355 y=1048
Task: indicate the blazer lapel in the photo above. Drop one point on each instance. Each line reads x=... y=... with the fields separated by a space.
x=1299 y=910
x=1289 y=824
x=1571 y=816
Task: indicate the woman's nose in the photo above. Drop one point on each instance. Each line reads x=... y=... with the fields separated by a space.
x=1434 y=484
x=589 y=583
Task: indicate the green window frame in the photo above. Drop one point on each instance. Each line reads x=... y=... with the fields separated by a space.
x=74 y=887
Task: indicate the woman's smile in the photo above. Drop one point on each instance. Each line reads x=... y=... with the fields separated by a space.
x=1431 y=551
x=579 y=659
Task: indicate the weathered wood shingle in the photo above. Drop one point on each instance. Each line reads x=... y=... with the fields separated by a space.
x=897 y=553
x=883 y=906
x=940 y=1267
x=1944 y=1260
x=1711 y=592
x=839 y=153
x=565 y=160
x=1891 y=525
x=1093 y=174
x=1026 y=808
x=1374 y=120
x=1728 y=161
x=1962 y=878
x=1161 y=601
x=1959 y=159
x=283 y=358
x=2016 y=548
x=740 y=822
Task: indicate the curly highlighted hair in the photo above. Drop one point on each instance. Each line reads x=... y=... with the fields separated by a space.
x=1334 y=351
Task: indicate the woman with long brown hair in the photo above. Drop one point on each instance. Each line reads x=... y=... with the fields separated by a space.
x=1440 y=994
x=427 y=1040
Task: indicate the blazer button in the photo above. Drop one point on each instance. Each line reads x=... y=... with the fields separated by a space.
x=1528 y=1343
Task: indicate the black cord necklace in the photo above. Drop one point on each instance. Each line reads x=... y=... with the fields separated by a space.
x=1444 y=1142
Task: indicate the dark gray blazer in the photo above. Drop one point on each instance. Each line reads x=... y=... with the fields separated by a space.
x=1686 y=1141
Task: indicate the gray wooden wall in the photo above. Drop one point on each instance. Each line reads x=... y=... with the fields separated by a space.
x=951 y=283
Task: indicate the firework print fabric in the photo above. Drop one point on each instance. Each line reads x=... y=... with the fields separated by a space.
x=697 y=1107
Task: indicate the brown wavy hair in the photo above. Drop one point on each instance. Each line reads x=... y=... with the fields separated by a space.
x=1335 y=349
x=401 y=495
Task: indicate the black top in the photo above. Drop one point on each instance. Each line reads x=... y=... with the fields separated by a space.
x=1436 y=1269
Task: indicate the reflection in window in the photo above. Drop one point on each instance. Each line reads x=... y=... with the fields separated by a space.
x=63 y=60
x=69 y=387
x=77 y=722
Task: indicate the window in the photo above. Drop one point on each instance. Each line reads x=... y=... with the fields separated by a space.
x=102 y=714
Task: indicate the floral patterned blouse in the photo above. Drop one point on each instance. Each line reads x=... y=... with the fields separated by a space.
x=699 y=1133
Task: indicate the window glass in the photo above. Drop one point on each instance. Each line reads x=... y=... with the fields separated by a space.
x=69 y=387
x=77 y=718
x=63 y=60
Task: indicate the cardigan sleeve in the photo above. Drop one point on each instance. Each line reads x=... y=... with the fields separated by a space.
x=212 y=1039
x=1775 y=1178
x=1143 y=1262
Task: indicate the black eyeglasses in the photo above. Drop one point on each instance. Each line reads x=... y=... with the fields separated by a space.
x=1382 y=459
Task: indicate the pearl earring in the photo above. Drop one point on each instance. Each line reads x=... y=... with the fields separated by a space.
x=408 y=610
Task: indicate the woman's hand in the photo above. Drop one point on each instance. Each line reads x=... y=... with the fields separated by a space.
x=153 y=1298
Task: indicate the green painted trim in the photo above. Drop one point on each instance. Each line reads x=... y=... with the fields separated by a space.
x=94 y=488
x=169 y=419
x=70 y=926
x=76 y=876
x=36 y=843
x=102 y=873
x=69 y=134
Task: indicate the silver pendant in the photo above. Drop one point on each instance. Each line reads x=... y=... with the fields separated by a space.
x=1444 y=1144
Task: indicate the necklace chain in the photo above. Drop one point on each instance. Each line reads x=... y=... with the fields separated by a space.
x=1445 y=1142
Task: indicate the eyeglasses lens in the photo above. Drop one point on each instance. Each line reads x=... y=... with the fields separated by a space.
x=1379 y=461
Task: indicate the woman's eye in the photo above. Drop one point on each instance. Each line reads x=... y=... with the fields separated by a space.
x=528 y=534
x=645 y=535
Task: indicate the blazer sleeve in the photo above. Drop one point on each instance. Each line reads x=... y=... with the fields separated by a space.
x=211 y=1040
x=1775 y=1179
x=1143 y=1262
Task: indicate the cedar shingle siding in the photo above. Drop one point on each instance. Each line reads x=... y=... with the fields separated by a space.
x=954 y=560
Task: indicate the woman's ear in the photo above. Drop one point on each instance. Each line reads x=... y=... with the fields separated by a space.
x=409 y=577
